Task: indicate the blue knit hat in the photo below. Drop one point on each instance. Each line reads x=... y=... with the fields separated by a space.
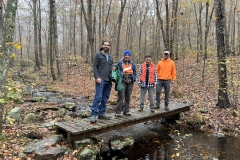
x=127 y=52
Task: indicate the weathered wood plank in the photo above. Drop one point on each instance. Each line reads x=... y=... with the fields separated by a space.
x=78 y=129
x=66 y=127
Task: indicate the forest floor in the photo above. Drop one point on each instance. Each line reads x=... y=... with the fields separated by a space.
x=191 y=86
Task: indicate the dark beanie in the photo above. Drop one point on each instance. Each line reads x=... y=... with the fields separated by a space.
x=127 y=52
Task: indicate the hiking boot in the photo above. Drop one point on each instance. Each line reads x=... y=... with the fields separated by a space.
x=118 y=115
x=166 y=107
x=104 y=116
x=157 y=106
x=140 y=109
x=127 y=114
x=93 y=119
x=152 y=110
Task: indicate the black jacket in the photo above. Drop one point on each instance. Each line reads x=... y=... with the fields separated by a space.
x=102 y=67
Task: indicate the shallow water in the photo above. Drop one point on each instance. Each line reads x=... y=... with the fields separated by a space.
x=155 y=141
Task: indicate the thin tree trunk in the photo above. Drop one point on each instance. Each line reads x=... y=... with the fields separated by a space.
x=82 y=49
x=234 y=30
x=199 y=31
x=51 y=34
x=20 y=41
x=28 y=39
x=173 y=32
x=74 y=32
x=119 y=26
x=165 y=40
x=140 y=53
x=226 y=35
x=167 y=47
x=207 y=24
x=88 y=21
x=189 y=35
x=37 y=63
x=40 y=33
x=106 y=20
x=55 y=39
x=238 y=27
x=1 y=20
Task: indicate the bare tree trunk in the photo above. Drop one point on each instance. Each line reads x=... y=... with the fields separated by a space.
x=234 y=30
x=189 y=35
x=238 y=27
x=129 y=35
x=100 y=22
x=140 y=53
x=37 y=63
x=29 y=39
x=20 y=41
x=1 y=20
x=207 y=24
x=173 y=32
x=167 y=47
x=119 y=26
x=106 y=20
x=88 y=21
x=51 y=34
x=94 y=24
x=81 y=35
x=74 y=32
x=165 y=38
x=55 y=39
x=6 y=49
x=199 y=31
x=40 y=32
x=226 y=35
x=223 y=101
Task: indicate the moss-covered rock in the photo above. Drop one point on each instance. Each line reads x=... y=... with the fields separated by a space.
x=196 y=120
x=39 y=99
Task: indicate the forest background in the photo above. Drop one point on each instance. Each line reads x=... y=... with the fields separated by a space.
x=54 y=42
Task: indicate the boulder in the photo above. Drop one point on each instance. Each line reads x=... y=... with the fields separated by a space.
x=29 y=118
x=14 y=115
x=51 y=153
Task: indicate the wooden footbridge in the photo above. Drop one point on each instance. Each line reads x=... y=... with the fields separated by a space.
x=78 y=129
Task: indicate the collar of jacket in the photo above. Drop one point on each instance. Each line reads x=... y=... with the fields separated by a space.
x=130 y=61
x=103 y=53
x=163 y=59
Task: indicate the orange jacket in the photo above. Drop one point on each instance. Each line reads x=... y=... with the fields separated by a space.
x=166 y=69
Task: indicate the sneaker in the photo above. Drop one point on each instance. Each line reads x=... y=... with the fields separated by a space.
x=118 y=115
x=127 y=114
x=93 y=119
x=152 y=110
x=166 y=107
x=140 y=109
x=157 y=106
x=104 y=116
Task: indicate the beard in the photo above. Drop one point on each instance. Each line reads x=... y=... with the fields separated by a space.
x=106 y=50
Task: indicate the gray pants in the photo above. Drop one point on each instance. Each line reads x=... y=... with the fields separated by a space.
x=124 y=94
x=166 y=85
x=143 y=91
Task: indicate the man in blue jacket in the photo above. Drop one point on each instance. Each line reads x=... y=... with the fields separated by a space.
x=102 y=66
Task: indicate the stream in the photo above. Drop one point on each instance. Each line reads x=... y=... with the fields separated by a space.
x=155 y=141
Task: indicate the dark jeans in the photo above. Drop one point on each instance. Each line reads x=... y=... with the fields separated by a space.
x=102 y=93
x=124 y=94
x=166 y=85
